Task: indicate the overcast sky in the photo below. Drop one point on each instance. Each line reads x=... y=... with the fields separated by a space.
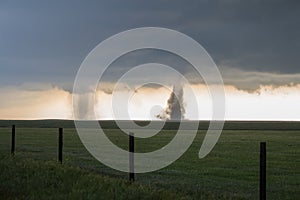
x=46 y=41
x=255 y=44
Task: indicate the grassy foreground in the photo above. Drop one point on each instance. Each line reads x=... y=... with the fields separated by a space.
x=230 y=171
x=29 y=179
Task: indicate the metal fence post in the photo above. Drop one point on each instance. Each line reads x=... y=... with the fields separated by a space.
x=131 y=157
x=60 y=144
x=13 y=140
x=262 y=182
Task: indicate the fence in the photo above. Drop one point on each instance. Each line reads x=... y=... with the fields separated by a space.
x=262 y=177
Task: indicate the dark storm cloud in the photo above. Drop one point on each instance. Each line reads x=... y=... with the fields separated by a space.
x=250 y=35
x=46 y=41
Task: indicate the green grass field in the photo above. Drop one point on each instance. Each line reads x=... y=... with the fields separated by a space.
x=230 y=171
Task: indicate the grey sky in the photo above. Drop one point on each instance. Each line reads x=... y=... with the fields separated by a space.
x=46 y=41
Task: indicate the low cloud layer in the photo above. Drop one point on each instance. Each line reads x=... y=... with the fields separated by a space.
x=253 y=80
x=265 y=103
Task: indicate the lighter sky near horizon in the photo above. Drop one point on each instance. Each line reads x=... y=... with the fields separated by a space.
x=267 y=103
x=255 y=45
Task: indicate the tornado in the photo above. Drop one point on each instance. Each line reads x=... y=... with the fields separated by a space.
x=175 y=105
